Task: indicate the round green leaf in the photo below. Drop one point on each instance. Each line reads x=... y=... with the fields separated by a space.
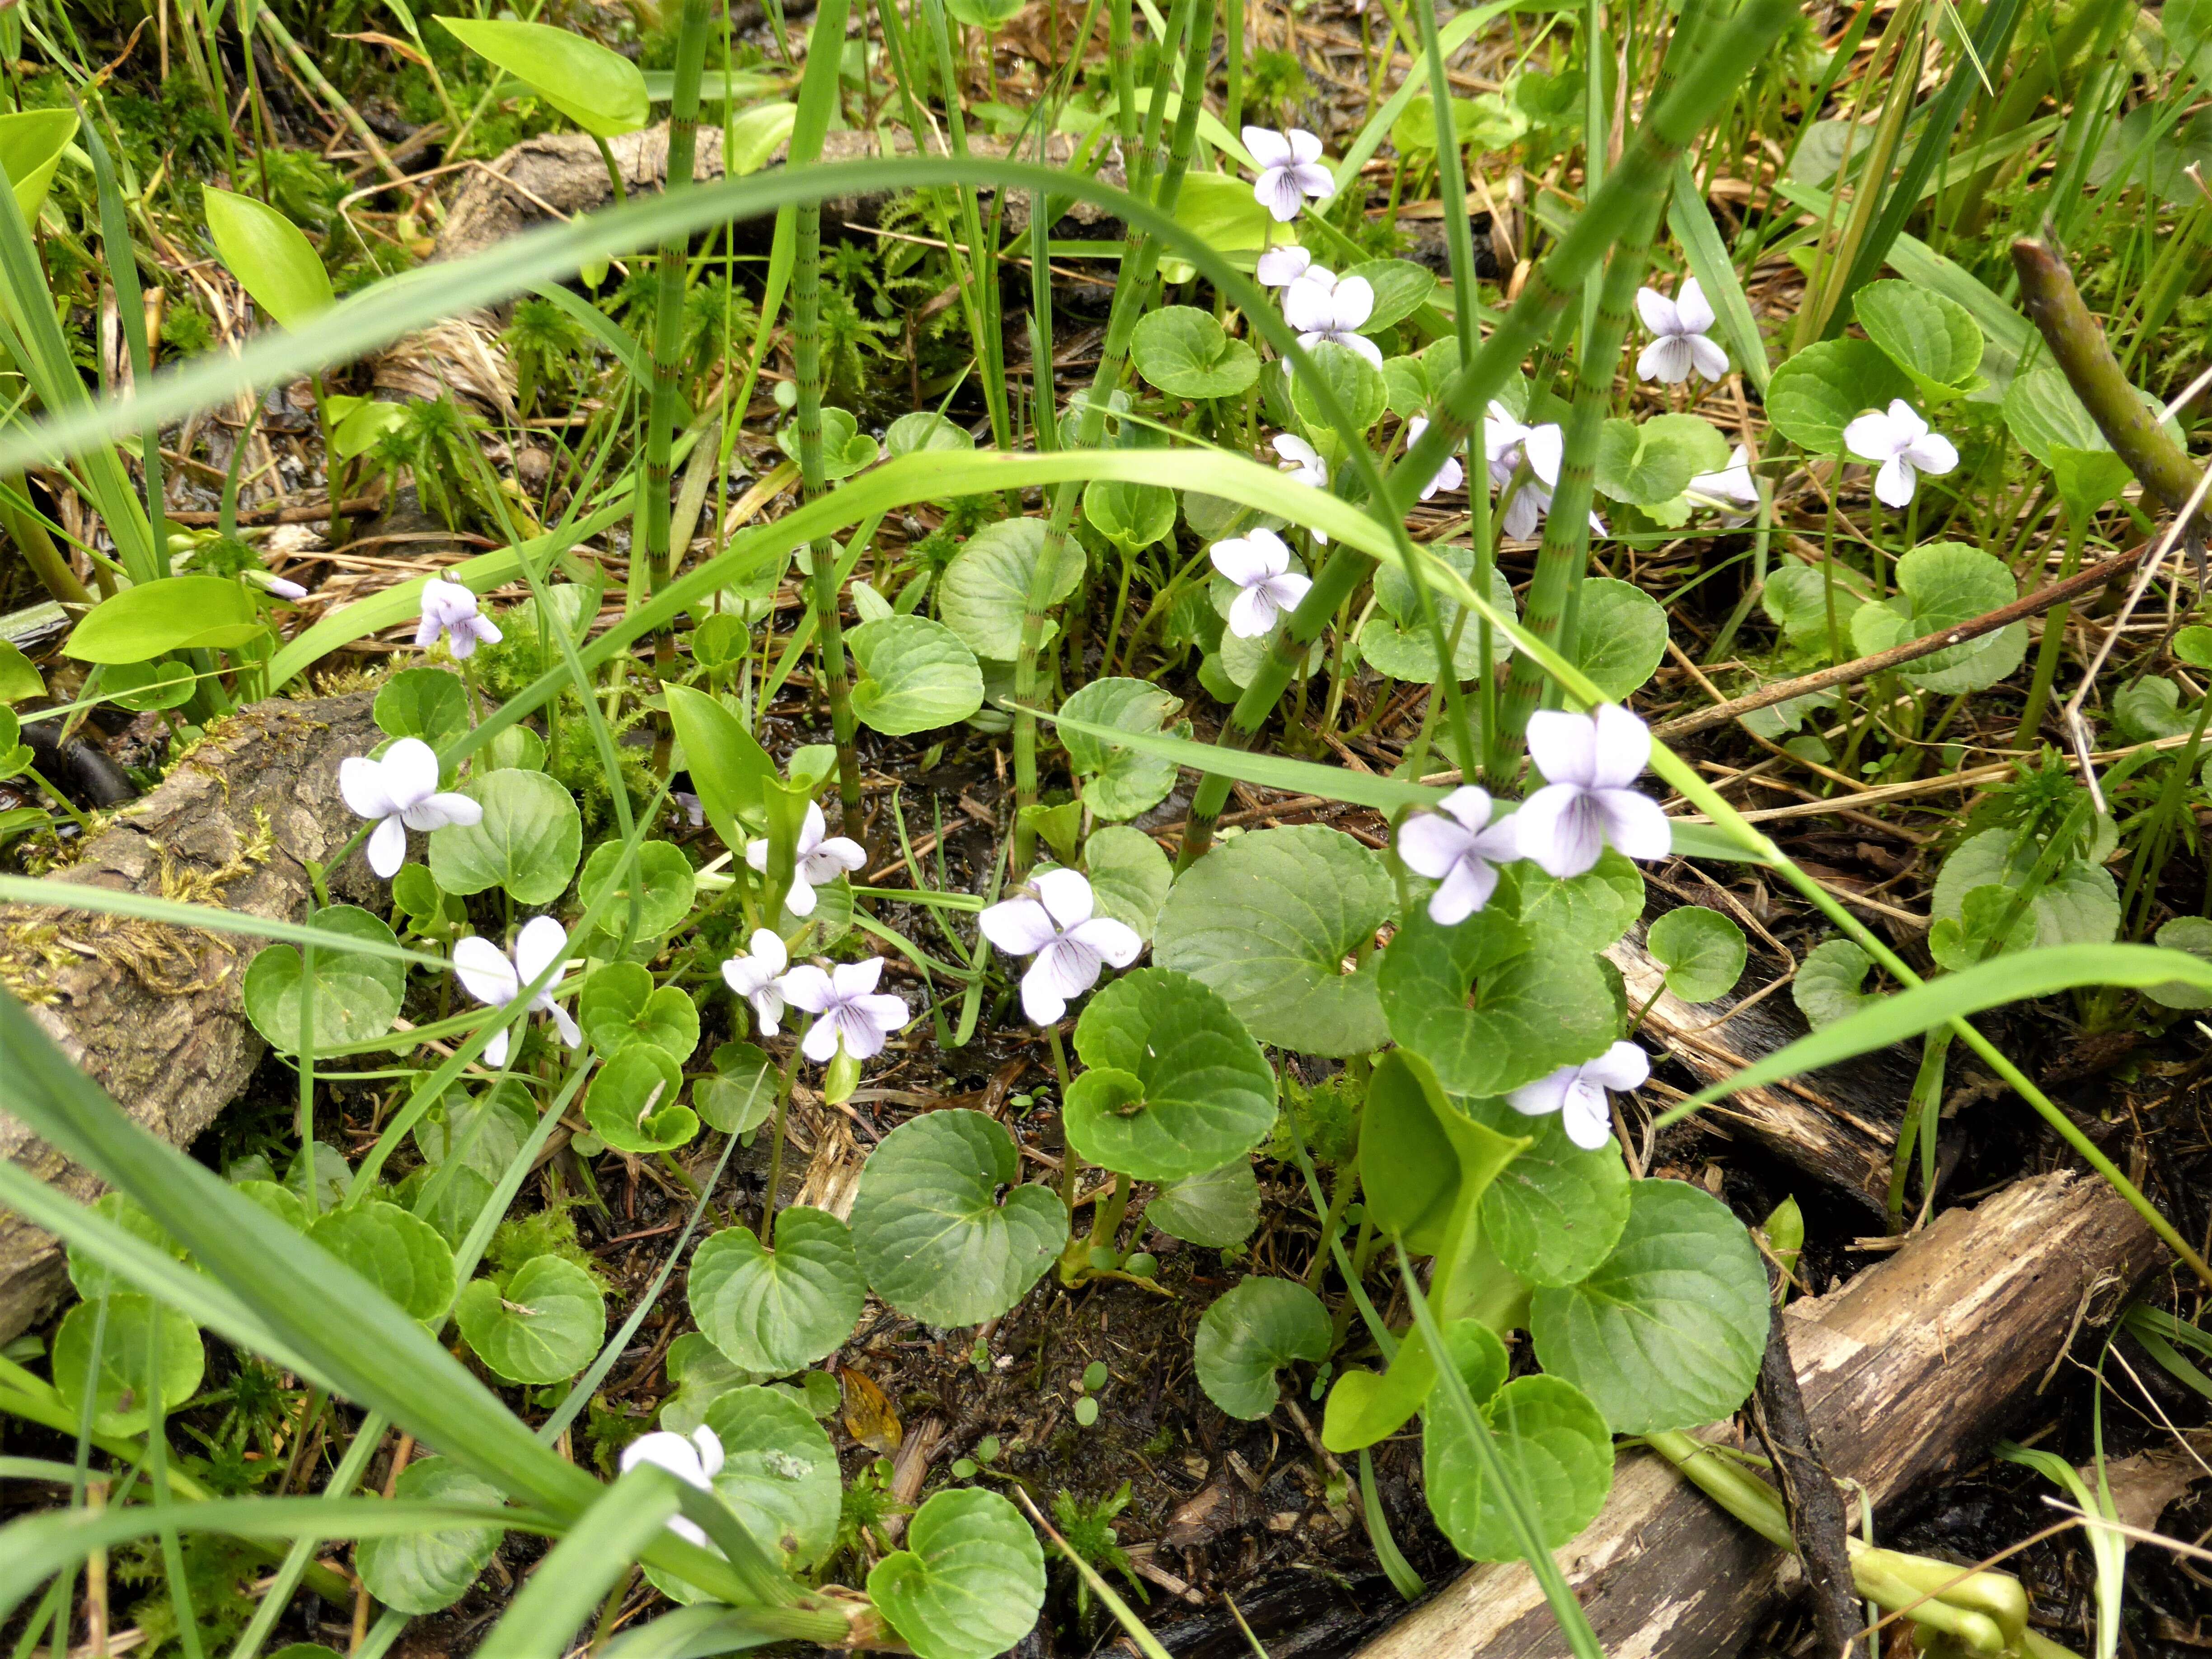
x=1549 y=1435
x=915 y=676
x=356 y=995
x=146 y=688
x=544 y=1327
x=1935 y=340
x=1533 y=1008
x=2048 y=421
x=742 y=1092
x=1827 y=988
x=922 y=429
x=1701 y=950
x=779 y=1472
x=619 y=1006
x=1619 y=637
x=1131 y=516
x=1187 y=353
x=1667 y=1332
x=633 y=1103
x=1268 y=920
x=985 y=590
x=1117 y=783
x=2079 y=905
x=1826 y=386
x=661 y=875
x=1129 y=875
x=175 y=613
x=600 y=89
x=91 y=1280
x=1249 y=1333
x=1357 y=383
x=1650 y=461
x=426 y=1572
x=777 y=1311
x=399 y=1254
x=1939 y=586
x=1556 y=1211
x=845 y=448
x=272 y=260
x=528 y=842
x=929 y=1231
x=1219 y=1208
x=969 y=1584
x=1182 y=1089
x=430 y=703
x=118 y=1388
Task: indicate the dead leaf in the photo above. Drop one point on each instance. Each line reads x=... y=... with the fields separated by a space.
x=870 y=1417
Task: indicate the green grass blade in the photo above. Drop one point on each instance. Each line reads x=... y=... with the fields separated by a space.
x=565 y=1589
x=1145 y=1643
x=1693 y=225
x=1451 y=37
x=144 y=907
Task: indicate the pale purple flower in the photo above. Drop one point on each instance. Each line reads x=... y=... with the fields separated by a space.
x=1278 y=267
x=1508 y=443
x=1678 y=346
x=401 y=792
x=1070 y=944
x=753 y=976
x=846 y=1007
x=1260 y=565
x=1290 y=170
x=693 y=809
x=1589 y=763
x=1305 y=465
x=1733 y=482
x=1458 y=847
x=1901 y=441
x=451 y=608
x=1449 y=476
x=490 y=975
x=276 y=584
x=1331 y=310
x=1576 y=1093
x=694 y=1461
x=820 y=857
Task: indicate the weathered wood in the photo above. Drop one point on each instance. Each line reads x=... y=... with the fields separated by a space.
x=153 y=1013
x=1912 y=1367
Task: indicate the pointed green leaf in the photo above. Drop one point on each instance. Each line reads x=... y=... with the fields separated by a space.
x=600 y=89
x=272 y=260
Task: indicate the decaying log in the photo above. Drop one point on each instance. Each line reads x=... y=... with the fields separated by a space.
x=562 y=175
x=1838 y=1124
x=152 y=1012
x=1912 y=1367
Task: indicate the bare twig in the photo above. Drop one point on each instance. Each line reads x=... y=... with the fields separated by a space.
x=1808 y=1496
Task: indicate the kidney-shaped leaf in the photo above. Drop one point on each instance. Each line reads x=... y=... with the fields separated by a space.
x=1667 y=1332
x=544 y=1327
x=1940 y=585
x=1701 y=950
x=528 y=842
x=1935 y=340
x=118 y=1388
x=1268 y=920
x=398 y=1253
x=633 y=1105
x=986 y=588
x=915 y=676
x=778 y=1311
x=929 y=1231
x=925 y=429
x=970 y=1581
x=1825 y=387
x=356 y=995
x=1251 y=1331
x=1549 y=1435
x=1131 y=516
x=621 y=1006
x=661 y=875
x=1619 y=635
x=1120 y=783
x=600 y=89
x=272 y=260
x=175 y=613
x=426 y=1572
x=1187 y=353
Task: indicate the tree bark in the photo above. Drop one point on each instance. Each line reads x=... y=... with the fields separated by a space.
x=152 y=1013
x=1911 y=1368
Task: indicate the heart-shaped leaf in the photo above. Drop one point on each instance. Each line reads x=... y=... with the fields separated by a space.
x=1219 y=1208
x=660 y=876
x=1583 y=912
x=426 y=1572
x=742 y=1092
x=1121 y=782
x=1269 y=921
x=985 y=590
x=1667 y=1332
x=1186 y=353
x=118 y=1388
x=925 y=429
x=1940 y=585
x=528 y=842
x=969 y=1584
x=1357 y=383
x=1702 y=950
x=485 y=1131
x=1935 y=340
x=845 y=448
x=543 y=1327
x=632 y=1102
x=2048 y=421
x=356 y=995
x=1826 y=386
x=1552 y=1439
x=930 y=1232
x=1621 y=635
x=2079 y=904
x=1250 y=1333
x=1491 y=1005
x=430 y=703
x=1647 y=463
x=272 y=260
x=779 y=1476
x=398 y=1253
x=777 y=1311
x=1556 y=1211
x=1827 y=988
x=1131 y=516
x=915 y=676
x=1401 y=288
x=1395 y=640
x=619 y=1006
x=1129 y=875
x=600 y=89
x=175 y=613
x=1182 y=1088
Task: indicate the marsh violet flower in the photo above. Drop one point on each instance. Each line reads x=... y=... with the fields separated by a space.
x=755 y=976
x=1576 y=1093
x=819 y=857
x=1678 y=346
x=272 y=584
x=694 y=1461
x=1278 y=267
x=401 y=792
x=490 y=975
x=1331 y=310
x=1507 y=443
x=1260 y=565
x=1290 y=171
x=1070 y=944
x=451 y=609
x=846 y=1007
x=1305 y=465
x=1589 y=763
x=1904 y=445
x=1458 y=845
x=1449 y=476
x=1732 y=483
